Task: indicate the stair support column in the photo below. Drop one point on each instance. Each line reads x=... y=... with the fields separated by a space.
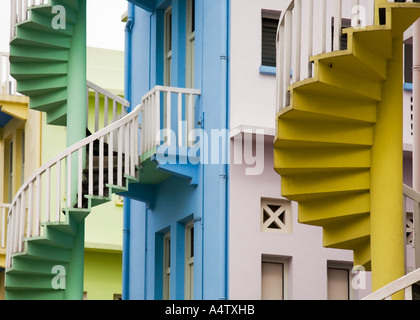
x=76 y=131
x=387 y=232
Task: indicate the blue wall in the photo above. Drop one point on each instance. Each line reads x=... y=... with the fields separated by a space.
x=177 y=202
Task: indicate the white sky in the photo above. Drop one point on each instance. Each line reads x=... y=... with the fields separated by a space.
x=104 y=26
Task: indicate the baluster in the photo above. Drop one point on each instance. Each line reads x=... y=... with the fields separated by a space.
x=106 y=110
x=280 y=67
x=47 y=194
x=168 y=117
x=119 y=164
x=157 y=133
x=133 y=132
x=111 y=158
x=190 y=116
x=3 y=227
x=323 y=8
x=38 y=205
x=126 y=151
x=13 y=18
x=80 y=178
x=19 y=11
x=16 y=227
x=101 y=166
x=310 y=32
x=58 y=195
x=288 y=55
x=180 y=122
x=30 y=210
x=297 y=39
x=22 y=220
x=91 y=168
x=68 y=191
x=96 y=111
x=337 y=25
x=114 y=111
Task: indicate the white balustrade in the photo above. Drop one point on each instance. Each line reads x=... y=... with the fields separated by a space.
x=168 y=113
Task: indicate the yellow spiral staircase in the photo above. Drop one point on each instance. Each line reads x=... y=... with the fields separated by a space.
x=338 y=144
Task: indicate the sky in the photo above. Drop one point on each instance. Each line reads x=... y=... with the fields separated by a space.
x=104 y=26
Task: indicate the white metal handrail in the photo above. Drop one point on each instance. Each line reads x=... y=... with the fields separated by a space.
x=311 y=27
x=4 y=208
x=405 y=283
x=37 y=193
x=19 y=12
x=111 y=101
x=157 y=117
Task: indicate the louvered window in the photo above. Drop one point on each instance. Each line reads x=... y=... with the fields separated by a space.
x=269 y=32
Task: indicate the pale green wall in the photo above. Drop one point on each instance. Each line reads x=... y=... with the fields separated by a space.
x=103 y=275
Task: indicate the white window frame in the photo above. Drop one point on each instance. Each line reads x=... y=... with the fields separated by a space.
x=342 y=266
x=189 y=261
x=285 y=262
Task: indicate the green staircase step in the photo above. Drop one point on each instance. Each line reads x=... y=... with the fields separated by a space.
x=50 y=101
x=37 y=38
x=33 y=267
x=42 y=22
x=30 y=70
x=24 y=53
x=45 y=252
x=25 y=282
x=34 y=87
x=42 y=295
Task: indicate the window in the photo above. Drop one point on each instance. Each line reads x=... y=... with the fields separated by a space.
x=189 y=261
x=272 y=280
x=168 y=47
x=408 y=62
x=166 y=266
x=338 y=283
x=190 y=43
x=276 y=216
x=270 y=21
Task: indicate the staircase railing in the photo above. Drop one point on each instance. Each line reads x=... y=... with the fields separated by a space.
x=157 y=108
x=40 y=199
x=4 y=208
x=7 y=83
x=19 y=12
x=312 y=29
x=114 y=107
x=45 y=196
x=411 y=204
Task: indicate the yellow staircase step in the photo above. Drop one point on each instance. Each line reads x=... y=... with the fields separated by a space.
x=330 y=73
x=326 y=211
x=361 y=255
x=346 y=233
x=324 y=132
x=310 y=160
x=324 y=185
x=336 y=109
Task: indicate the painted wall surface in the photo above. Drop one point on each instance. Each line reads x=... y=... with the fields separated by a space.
x=177 y=201
x=301 y=250
x=102 y=275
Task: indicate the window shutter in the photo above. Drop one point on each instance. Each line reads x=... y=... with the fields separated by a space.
x=269 y=32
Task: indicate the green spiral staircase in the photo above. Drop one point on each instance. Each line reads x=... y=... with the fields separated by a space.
x=42 y=61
